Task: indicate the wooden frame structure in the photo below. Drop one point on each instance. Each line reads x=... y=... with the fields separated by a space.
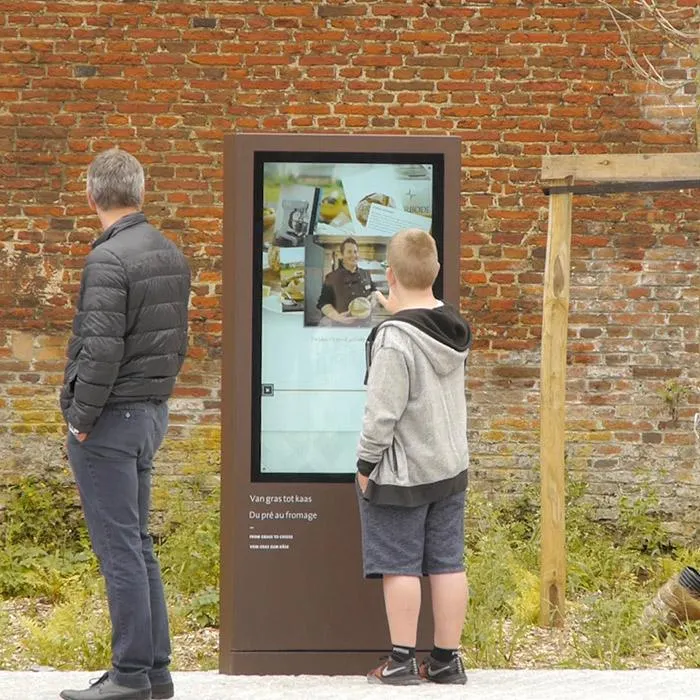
x=561 y=178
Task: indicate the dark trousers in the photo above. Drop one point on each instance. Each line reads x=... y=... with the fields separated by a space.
x=112 y=469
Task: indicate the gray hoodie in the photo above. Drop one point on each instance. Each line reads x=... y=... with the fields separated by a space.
x=413 y=444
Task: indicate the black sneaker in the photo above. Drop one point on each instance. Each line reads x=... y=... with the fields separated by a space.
x=441 y=672
x=396 y=672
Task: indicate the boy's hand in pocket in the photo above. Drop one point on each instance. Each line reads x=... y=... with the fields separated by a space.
x=362 y=482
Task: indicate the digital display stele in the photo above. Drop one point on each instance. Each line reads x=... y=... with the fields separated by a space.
x=321 y=227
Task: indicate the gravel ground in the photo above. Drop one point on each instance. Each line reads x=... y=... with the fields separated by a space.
x=483 y=685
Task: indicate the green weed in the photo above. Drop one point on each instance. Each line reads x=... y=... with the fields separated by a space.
x=189 y=547
x=76 y=633
x=47 y=558
x=44 y=512
x=613 y=570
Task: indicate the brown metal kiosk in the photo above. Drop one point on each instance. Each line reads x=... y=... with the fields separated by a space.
x=293 y=599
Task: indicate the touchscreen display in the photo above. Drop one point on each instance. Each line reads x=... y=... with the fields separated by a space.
x=321 y=228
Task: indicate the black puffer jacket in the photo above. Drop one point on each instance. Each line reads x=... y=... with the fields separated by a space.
x=130 y=330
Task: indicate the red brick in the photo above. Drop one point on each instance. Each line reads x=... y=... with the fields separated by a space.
x=283 y=9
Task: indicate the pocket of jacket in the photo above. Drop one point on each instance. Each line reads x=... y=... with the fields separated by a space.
x=71 y=379
x=394 y=459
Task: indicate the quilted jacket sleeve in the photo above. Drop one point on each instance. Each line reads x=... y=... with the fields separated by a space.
x=100 y=328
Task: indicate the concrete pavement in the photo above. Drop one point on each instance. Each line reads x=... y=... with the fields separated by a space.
x=482 y=685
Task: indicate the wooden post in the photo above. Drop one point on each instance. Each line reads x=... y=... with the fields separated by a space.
x=552 y=417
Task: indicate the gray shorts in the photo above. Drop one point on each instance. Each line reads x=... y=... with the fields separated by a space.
x=403 y=541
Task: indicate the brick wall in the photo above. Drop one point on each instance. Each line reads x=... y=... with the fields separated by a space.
x=515 y=80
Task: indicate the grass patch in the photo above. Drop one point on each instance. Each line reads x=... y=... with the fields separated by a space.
x=5 y=652
x=75 y=633
x=49 y=574
x=614 y=569
x=189 y=558
x=46 y=548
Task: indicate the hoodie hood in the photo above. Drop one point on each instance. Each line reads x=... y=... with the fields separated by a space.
x=441 y=334
x=413 y=445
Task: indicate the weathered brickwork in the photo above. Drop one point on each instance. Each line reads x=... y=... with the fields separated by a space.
x=514 y=79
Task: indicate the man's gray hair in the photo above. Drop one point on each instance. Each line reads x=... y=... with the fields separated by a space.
x=115 y=180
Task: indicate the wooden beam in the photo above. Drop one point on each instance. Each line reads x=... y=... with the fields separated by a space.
x=623 y=167
x=612 y=187
x=552 y=410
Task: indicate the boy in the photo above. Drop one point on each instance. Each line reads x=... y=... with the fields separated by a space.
x=412 y=464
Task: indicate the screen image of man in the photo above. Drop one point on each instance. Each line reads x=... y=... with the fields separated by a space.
x=344 y=285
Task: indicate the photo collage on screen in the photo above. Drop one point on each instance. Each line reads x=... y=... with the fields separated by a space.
x=321 y=219
x=326 y=228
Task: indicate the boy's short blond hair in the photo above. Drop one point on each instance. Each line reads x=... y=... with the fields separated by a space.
x=412 y=256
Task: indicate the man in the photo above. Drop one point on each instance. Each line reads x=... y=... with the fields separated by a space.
x=345 y=283
x=128 y=345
